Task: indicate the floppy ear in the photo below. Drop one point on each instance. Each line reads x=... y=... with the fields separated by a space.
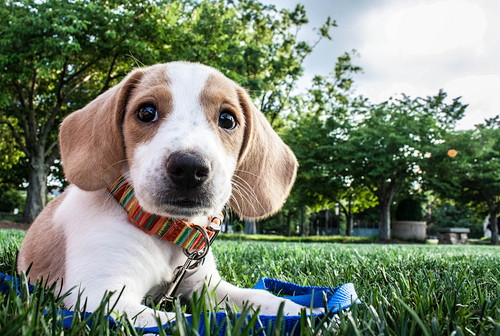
x=266 y=168
x=91 y=141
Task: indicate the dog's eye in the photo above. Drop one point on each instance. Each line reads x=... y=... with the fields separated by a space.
x=147 y=113
x=227 y=120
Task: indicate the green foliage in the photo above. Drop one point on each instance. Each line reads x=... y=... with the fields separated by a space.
x=56 y=56
x=386 y=151
x=404 y=289
x=359 y=154
x=12 y=159
x=10 y=199
x=446 y=214
x=319 y=120
x=472 y=176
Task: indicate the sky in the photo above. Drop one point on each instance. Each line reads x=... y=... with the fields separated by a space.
x=414 y=47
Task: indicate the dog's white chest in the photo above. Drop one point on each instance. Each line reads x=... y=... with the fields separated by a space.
x=103 y=243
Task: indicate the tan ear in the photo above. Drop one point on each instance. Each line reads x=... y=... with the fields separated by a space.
x=266 y=169
x=91 y=141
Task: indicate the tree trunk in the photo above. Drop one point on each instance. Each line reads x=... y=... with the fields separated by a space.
x=289 y=224
x=250 y=226
x=385 y=216
x=303 y=224
x=349 y=224
x=349 y=218
x=385 y=220
x=494 y=226
x=385 y=196
x=37 y=189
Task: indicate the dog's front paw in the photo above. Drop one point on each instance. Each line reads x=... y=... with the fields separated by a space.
x=315 y=311
x=272 y=308
x=292 y=308
x=144 y=317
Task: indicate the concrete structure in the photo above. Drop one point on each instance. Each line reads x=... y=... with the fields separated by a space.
x=409 y=230
x=453 y=235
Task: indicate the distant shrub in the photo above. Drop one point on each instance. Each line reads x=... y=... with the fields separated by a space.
x=450 y=215
x=409 y=209
x=303 y=239
x=10 y=199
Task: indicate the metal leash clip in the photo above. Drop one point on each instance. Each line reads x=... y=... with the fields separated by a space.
x=194 y=258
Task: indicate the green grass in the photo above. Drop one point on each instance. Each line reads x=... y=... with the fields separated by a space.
x=404 y=289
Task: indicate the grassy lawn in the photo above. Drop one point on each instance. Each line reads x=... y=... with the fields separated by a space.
x=404 y=289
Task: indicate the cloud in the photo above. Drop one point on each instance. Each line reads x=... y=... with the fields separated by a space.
x=402 y=29
x=417 y=48
x=478 y=92
x=434 y=28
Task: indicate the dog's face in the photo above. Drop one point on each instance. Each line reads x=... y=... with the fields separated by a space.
x=186 y=137
x=183 y=131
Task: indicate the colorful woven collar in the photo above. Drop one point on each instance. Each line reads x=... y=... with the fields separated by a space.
x=174 y=230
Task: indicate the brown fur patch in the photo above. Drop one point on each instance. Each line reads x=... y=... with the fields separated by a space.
x=44 y=247
x=91 y=142
x=135 y=131
x=220 y=94
x=266 y=169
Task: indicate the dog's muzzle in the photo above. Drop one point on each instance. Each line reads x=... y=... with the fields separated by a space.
x=187 y=171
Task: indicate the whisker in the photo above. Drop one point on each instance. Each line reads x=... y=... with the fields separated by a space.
x=250 y=173
x=244 y=181
x=235 y=201
x=251 y=193
x=247 y=187
x=251 y=196
x=243 y=197
x=247 y=195
x=114 y=164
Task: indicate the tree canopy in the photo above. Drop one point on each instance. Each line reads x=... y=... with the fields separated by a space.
x=465 y=167
x=56 y=56
x=353 y=147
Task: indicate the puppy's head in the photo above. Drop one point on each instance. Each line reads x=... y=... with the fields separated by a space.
x=187 y=138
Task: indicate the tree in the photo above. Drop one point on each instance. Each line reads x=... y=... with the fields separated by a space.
x=466 y=168
x=321 y=120
x=56 y=56
x=386 y=151
x=354 y=200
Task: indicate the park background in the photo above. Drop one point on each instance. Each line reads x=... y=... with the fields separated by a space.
x=371 y=151
x=365 y=159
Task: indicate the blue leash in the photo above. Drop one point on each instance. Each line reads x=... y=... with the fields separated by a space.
x=338 y=298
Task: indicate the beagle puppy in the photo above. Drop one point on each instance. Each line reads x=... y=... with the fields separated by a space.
x=189 y=141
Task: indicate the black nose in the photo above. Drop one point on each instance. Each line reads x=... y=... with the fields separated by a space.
x=187 y=170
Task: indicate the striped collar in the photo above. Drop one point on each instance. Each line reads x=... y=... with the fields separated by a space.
x=174 y=230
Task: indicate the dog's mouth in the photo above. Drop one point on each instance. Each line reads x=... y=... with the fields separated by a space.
x=169 y=202
x=186 y=203
x=185 y=207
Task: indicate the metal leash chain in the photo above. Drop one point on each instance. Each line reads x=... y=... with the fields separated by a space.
x=194 y=259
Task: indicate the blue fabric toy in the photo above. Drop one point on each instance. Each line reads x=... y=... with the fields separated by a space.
x=337 y=299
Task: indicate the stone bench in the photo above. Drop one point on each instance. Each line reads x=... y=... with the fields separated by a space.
x=453 y=235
